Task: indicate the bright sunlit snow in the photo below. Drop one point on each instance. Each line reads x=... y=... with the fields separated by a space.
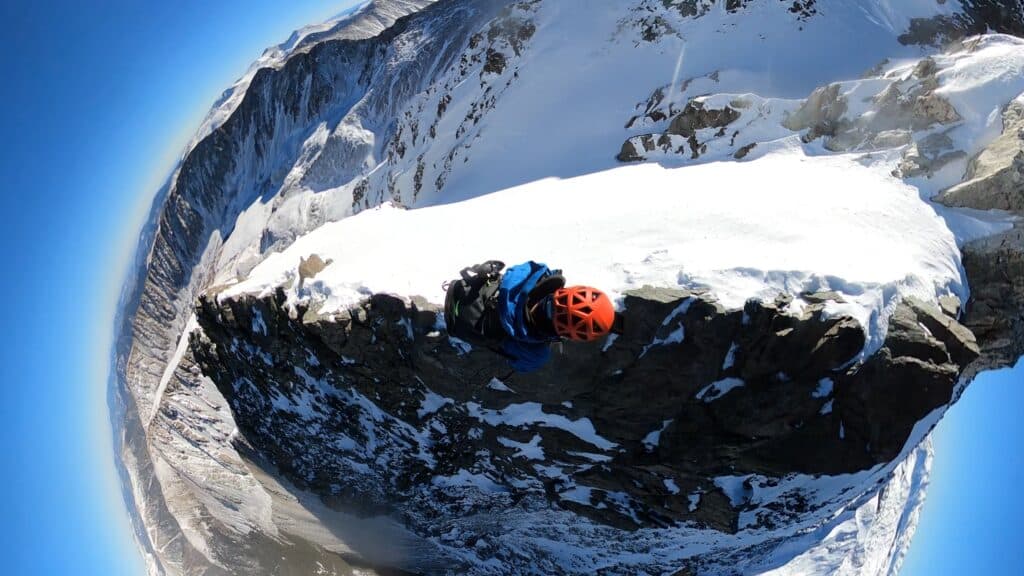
x=785 y=222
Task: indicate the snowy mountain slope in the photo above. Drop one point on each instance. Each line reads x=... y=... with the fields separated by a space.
x=364 y=21
x=519 y=104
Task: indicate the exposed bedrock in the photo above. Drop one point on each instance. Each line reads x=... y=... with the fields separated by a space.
x=995 y=310
x=975 y=17
x=684 y=127
x=995 y=265
x=691 y=391
x=995 y=177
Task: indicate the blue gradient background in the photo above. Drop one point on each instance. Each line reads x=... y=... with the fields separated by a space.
x=97 y=102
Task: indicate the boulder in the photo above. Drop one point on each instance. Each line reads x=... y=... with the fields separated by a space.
x=995 y=177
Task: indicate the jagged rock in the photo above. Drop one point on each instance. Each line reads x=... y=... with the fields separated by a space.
x=933 y=109
x=979 y=16
x=213 y=499
x=995 y=265
x=950 y=305
x=744 y=150
x=823 y=297
x=995 y=310
x=630 y=151
x=995 y=177
x=681 y=132
x=915 y=370
x=495 y=62
x=820 y=114
x=697 y=117
x=310 y=267
x=736 y=394
x=928 y=155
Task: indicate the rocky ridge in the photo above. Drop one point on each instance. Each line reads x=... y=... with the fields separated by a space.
x=429 y=430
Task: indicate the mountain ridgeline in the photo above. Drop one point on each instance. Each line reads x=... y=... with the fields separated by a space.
x=258 y=433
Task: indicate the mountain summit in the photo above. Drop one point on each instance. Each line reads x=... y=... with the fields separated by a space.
x=807 y=213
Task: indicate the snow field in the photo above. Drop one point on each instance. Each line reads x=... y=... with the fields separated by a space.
x=784 y=222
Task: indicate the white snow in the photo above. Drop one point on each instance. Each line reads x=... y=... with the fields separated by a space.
x=653 y=438
x=577 y=494
x=608 y=342
x=172 y=364
x=498 y=385
x=674 y=337
x=516 y=415
x=884 y=522
x=694 y=501
x=531 y=450
x=824 y=389
x=671 y=486
x=838 y=217
x=432 y=402
x=716 y=390
x=464 y=478
x=730 y=357
x=735 y=488
x=789 y=218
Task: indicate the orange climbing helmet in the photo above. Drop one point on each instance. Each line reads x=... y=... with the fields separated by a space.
x=582 y=313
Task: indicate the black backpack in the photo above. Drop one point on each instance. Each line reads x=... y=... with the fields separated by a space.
x=470 y=305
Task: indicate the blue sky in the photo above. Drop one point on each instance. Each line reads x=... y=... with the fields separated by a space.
x=971 y=519
x=98 y=100
x=97 y=103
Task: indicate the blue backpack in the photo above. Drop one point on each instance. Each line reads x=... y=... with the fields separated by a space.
x=484 y=307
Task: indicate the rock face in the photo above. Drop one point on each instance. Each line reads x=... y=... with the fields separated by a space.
x=376 y=410
x=995 y=177
x=977 y=17
x=900 y=109
x=995 y=265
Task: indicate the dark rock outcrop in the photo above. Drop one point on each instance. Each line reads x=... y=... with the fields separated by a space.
x=995 y=177
x=380 y=396
x=995 y=310
x=681 y=132
x=976 y=17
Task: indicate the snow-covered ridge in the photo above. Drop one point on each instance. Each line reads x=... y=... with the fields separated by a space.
x=713 y=226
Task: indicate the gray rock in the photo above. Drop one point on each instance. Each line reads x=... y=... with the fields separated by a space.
x=310 y=267
x=950 y=305
x=820 y=114
x=995 y=310
x=696 y=116
x=744 y=151
x=995 y=177
x=930 y=109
